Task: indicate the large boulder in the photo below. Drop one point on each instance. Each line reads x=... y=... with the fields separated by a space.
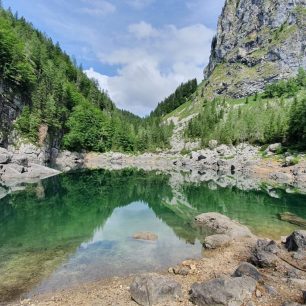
x=246 y=269
x=221 y=224
x=265 y=254
x=152 y=289
x=296 y=241
x=223 y=291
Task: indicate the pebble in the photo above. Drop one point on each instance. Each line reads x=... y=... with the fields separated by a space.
x=258 y=293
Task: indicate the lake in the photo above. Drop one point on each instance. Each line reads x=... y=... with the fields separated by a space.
x=78 y=227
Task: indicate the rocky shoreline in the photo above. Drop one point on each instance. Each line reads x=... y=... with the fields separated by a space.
x=18 y=168
x=243 y=166
x=240 y=270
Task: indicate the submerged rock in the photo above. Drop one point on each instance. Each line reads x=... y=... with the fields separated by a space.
x=223 y=291
x=292 y=218
x=145 y=236
x=151 y=289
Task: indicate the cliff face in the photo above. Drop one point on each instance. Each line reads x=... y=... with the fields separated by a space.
x=257 y=41
x=10 y=108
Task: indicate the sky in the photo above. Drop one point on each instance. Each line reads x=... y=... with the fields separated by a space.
x=138 y=50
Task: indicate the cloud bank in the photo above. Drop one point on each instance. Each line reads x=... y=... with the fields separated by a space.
x=157 y=61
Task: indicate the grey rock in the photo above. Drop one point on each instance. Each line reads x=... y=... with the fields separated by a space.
x=296 y=282
x=282 y=178
x=223 y=291
x=221 y=224
x=184 y=271
x=246 y=269
x=296 y=241
x=10 y=172
x=271 y=290
x=290 y=304
x=264 y=254
x=289 y=161
x=152 y=289
x=20 y=159
x=67 y=160
x=274 y=147
x=294 y=273
x=300 y=255
x=18 y=168
x=216 y=241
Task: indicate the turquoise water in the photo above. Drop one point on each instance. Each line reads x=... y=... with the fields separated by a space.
x=78 y=227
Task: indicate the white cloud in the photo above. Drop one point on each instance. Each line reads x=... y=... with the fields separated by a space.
x=153 y=68
x=139 y=4
x=142 y=30
x=97 y=7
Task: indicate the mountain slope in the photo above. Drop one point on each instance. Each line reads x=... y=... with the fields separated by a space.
x=257 y=42
x=46 y=99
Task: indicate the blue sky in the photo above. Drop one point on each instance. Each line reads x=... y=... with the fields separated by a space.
x=138 y=50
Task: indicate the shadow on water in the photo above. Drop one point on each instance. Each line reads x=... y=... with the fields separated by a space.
x=78 y=226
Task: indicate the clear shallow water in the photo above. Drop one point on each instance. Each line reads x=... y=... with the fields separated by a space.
x=77 y=227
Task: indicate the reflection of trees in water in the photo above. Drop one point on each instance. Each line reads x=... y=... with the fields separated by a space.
x=49 y=220
x=41 y=226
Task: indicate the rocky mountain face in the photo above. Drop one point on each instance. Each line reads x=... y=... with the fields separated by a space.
x=10 y=108
x=258 y=41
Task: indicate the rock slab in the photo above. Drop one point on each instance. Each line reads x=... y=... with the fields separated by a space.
x=265 y=254
x=223 y=291
x=152 y=289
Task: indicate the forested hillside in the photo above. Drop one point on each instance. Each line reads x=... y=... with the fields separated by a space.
x=179 y=97
x=56 y=104
x=278 y=114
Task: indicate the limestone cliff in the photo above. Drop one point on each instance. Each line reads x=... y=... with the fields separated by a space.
x=257 y=41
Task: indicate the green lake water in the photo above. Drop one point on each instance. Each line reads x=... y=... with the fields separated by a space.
x=78 y=227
